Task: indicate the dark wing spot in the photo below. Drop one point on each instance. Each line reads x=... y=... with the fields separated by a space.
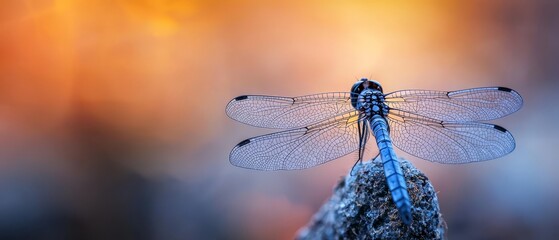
x=502 y=129
x=244 y=142
x=239 y=98
x=504 y=89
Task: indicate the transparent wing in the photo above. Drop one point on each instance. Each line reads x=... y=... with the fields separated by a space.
x=477 y=104
x=287 y=112
x=448 y=142
x=299 y=148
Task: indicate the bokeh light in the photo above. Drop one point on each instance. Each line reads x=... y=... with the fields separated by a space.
x=112 y=122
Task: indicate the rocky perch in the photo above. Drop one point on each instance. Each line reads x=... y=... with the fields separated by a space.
x=362 y=208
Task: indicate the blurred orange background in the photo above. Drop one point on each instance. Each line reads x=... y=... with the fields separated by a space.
x=112 y=122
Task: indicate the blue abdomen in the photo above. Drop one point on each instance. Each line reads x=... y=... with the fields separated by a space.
x=392 y=169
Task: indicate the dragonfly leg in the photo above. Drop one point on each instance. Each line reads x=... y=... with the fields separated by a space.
x=363 y=137
x=354 y=165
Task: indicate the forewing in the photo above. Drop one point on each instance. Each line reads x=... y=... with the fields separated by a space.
x=299 y=148
x=287 y=112
x=448 y=142
x=477 y=104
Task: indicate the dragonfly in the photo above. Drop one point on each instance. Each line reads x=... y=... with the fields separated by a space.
x=440 y=126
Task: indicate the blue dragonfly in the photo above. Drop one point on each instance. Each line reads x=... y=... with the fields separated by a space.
x=439 y=126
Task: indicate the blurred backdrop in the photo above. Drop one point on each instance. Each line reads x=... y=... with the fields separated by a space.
x=112 y=122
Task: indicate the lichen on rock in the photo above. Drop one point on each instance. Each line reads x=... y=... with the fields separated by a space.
x=362 y=208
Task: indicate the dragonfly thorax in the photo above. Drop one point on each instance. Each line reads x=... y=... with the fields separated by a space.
x=371 y=102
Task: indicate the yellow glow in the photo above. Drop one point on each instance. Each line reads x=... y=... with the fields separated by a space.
x=162 y=70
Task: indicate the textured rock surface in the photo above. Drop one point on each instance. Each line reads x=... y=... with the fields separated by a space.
x=362 y=208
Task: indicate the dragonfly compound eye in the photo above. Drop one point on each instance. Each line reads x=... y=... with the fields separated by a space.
x=360 y=85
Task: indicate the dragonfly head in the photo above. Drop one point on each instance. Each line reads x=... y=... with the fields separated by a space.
x=361 y=85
